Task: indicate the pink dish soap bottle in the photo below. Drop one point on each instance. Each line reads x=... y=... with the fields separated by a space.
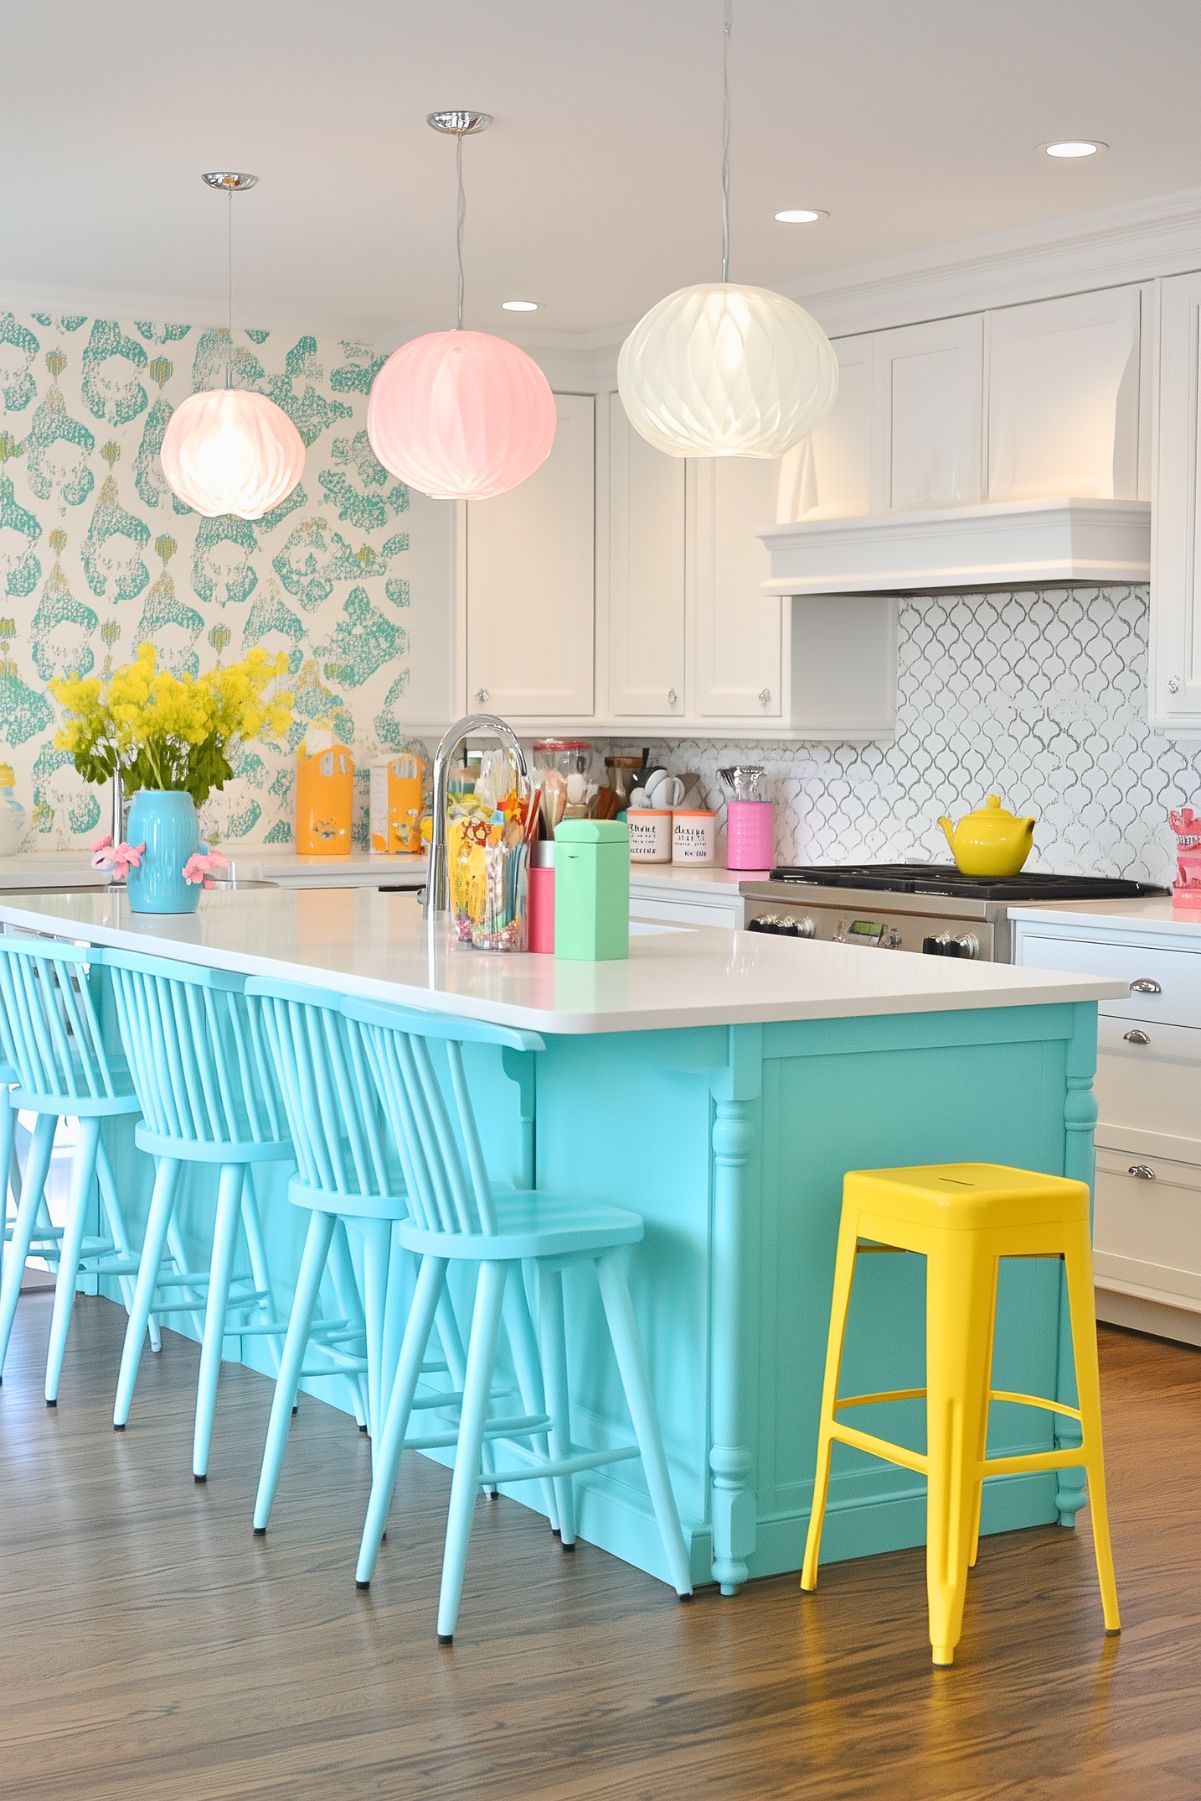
x=1187 y=826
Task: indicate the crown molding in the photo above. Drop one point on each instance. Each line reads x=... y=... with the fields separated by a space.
x=1135 y=242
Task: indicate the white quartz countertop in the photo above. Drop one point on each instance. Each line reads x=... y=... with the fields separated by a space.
x=1153 y=916
x=280 y=864
x=379 y=945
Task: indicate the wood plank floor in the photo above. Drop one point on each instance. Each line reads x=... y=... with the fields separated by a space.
x=151 y=1648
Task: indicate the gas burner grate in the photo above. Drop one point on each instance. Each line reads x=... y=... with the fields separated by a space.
x=944 y=878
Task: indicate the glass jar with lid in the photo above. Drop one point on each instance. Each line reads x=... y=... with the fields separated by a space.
x=569 y=756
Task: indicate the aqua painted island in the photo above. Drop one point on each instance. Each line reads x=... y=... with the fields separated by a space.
x=721 y=1084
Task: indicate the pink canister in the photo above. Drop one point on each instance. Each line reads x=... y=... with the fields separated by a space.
x=750 y=834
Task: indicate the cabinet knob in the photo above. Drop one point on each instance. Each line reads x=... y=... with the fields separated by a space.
x=1135 y=1037
x=481 y=694
x=1142 y=1172
x=672 y=697
x=764 y=697
x=1173 y=684
x=1145 y=985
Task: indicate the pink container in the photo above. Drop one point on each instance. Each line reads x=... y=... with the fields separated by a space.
x=541 y=923
x=750 y=834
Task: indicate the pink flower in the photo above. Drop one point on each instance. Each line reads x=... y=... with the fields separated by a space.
x=202 y=865
x=118 y=859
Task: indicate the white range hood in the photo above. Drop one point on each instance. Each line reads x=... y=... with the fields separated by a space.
x=1006 y=544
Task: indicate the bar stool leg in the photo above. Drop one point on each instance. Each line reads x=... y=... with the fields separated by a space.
x=158 y=1221
x=377 y=1257
x=118 y=1232
x=983 y=1447
x=840 y=1306
x=36 y=1170
x=257 y=1251
x=229 y=1194
x=300 y=1325
x=385 y=1459
x=959 y=1272
x=349 y=1304
x=631 y=1363
x=83 y=1170
x=1078 y=1267
x=481 y=1357
x=558 y=1399
x=520 y=1329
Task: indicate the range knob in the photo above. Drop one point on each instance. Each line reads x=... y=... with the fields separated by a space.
x=798 y=928
x=764 y=922
x=969 y=945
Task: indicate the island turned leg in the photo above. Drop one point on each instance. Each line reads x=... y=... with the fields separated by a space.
x=1080 y=1120
x=735 y=1213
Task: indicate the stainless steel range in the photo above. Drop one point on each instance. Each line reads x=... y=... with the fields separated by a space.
x=924 y=907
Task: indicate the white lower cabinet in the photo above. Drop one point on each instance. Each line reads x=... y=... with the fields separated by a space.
x=669 y=909
x=1147 y=1229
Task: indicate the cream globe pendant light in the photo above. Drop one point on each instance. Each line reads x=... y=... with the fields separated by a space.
x=725 y=370
x=230 y=450
x=461 y=415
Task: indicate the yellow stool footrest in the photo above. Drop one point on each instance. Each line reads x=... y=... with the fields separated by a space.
x=1003 y=1394
x=893 y=1394
x=994 y=1394
x=882 y=1447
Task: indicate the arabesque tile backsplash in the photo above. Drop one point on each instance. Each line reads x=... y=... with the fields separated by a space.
x=1039 y=696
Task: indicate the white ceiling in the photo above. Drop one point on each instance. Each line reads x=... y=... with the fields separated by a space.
x=914 y=122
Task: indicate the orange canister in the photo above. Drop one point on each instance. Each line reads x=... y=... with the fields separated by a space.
x=324 y=796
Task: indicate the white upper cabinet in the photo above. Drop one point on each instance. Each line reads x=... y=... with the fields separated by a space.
x=829 y=474
x=737 y=631
x=1175 y=675
x=1063 y=397
x=927 y=397
x=530 y=614
x=646 y=574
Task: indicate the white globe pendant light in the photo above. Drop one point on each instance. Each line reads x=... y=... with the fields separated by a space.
x=461 y=415
x=720 y=369
x=230 y=450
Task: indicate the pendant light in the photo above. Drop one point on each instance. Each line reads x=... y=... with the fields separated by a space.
x=230 y=450
x=461 y=415
x=725 y=370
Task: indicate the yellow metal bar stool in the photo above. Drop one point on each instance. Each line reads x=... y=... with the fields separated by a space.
x=963 y=1218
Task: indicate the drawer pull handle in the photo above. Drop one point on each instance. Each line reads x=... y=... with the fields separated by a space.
x=1142 y=1171
x=1145 y=985
x=1135 y=1037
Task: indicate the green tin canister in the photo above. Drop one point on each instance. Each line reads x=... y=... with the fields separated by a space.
x=592 y=890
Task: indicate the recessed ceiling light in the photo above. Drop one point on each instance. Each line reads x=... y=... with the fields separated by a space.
x=1074 y=147
x=520 y=306
x=801 y=215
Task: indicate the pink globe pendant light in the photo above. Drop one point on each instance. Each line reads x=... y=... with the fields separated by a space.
x=461 y=415
x=230 y=450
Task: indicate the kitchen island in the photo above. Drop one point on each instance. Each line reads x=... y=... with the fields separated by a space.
x=720 y=1083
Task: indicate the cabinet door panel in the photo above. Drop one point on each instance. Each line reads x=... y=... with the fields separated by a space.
x=928 y=394
x=646 y=572
x=1063 y=397
x=737 y=631
x=1175 y=544
x=530 y=582
x=830 y=473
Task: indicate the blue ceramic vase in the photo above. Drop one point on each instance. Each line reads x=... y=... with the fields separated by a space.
x=166 y=822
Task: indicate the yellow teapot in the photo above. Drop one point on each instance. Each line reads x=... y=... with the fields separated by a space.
x=990 y=841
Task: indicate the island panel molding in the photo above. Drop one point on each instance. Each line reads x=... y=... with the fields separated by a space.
x=97 y=555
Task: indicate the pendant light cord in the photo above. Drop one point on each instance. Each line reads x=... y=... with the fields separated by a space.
x=460 y=220
x=229 y=289
x=727 y=25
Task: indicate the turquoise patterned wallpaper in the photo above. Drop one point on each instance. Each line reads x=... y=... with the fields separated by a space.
x=96 y=554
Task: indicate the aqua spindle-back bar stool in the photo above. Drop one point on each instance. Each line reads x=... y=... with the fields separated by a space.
x=457 y=1215
x=347 y=1178
x=49 y=999
x=203 y=1077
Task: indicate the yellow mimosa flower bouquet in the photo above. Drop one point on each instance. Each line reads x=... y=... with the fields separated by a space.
x=170 y=732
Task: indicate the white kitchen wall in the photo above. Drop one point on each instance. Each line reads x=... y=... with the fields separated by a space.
x=1039 y=696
